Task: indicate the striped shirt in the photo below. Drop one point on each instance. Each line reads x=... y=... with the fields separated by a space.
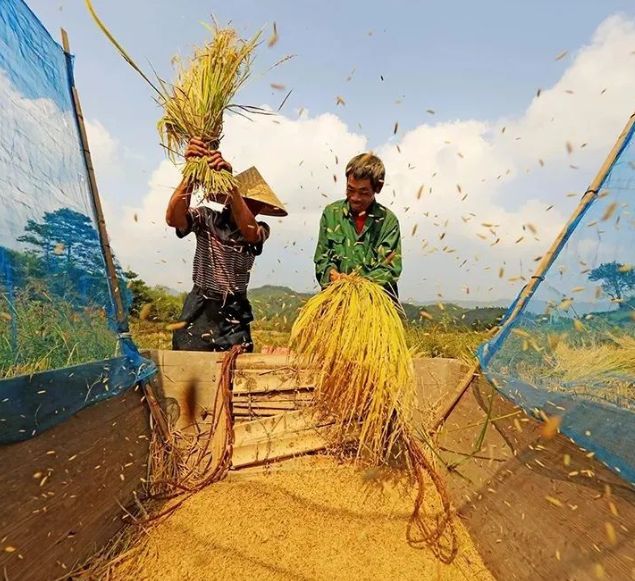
x=223 y=259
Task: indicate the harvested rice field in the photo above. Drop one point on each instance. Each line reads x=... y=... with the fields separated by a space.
x=310 y=518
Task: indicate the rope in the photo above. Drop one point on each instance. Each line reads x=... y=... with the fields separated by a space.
x=201 y=466
x=441 y=538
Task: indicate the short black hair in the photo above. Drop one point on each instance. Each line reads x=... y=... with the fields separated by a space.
x=367 y=166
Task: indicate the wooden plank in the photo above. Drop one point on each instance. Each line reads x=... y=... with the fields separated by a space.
x=62 y=491
x=269 y=405
x=298 y=396
x=261 y=382
x=257 y=430
x=251 y=361
x=242 y=415
x=180 y=366
x=536 y=509
x=266 y=383
x=190 y=380
x=280 y=448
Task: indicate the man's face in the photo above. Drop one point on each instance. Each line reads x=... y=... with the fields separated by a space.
x=360 y=194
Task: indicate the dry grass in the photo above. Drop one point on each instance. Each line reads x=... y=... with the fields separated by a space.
x=365 y=379
x=153 y=335
x=306 y=519
x=443 y=342
x=603 y=369
x=454 y=344
x=38 y=334
x=594 y=362
x=150 y=335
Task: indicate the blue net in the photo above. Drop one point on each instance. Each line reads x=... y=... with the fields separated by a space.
x=571 y=352
x=60 y=345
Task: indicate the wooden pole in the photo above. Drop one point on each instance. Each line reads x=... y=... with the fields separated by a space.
x=586 y=201
x=547 y=260
x=113 y=281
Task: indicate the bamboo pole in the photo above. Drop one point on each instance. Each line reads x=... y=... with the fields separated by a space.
x=463 y=386
x=545 y=264
x=113 y=282
x=587 y=199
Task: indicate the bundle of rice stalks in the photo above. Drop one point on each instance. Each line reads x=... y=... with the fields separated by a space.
x=195 y=104
x=352 y=333
x=608 y=357
x=352 y=336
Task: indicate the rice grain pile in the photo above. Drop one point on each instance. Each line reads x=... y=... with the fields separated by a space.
x=306 y=519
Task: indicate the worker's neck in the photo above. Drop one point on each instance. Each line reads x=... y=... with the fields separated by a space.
x=357 y=213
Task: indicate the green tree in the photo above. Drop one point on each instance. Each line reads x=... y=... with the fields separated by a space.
x=166 y=307
x=140 y=291
x=617 y=280
x=72 y=263
x=65 y=238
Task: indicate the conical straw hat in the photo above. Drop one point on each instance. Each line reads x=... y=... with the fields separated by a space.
x=252 y=186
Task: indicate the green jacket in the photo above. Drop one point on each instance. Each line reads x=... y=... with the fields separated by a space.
x=375 y=253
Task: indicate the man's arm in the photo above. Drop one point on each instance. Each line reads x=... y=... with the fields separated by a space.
x=325 y=270
x=179 y=204
x=244 y=218
x=176 y=214
x=389 y=265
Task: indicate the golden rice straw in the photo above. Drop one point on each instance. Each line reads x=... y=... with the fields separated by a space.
x=195 y=104
x=352 y=333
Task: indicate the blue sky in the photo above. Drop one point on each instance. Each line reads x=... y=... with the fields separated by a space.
x=462 y=59
x=477 y=65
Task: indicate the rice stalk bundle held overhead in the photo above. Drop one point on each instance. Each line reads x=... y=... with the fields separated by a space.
x=352 y=335
x=194 y=106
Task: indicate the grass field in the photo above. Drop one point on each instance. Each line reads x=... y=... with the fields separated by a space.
x=39 y=333
x=426 y=342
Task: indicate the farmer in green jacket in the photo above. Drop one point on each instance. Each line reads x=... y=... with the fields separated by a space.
x=359 y=234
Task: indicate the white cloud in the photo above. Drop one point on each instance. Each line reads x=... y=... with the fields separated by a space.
x=495 y=163
x=104 y=148
x=40 y=170
x=142 y=240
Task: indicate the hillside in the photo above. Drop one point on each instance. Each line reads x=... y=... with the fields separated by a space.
x=276 y=307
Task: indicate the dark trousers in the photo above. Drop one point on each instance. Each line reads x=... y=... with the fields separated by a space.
x=215 y=322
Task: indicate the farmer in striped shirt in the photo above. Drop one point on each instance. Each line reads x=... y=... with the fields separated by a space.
x=217 y=311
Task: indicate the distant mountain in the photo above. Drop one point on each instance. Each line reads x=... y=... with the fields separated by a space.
x=466 y=304
x=277 y=307
x=168 y=291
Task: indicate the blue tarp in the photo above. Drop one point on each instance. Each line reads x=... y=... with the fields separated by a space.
x=571 y=350
x=60 y=347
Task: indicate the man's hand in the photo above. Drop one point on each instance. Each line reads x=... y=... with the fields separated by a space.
x=334 y=275
x=197 y=148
